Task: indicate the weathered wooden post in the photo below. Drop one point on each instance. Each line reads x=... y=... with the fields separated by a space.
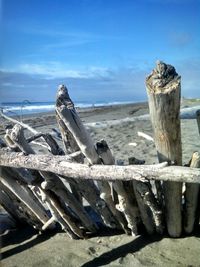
x=151 y=213
x=163 y=89
x=70 y=120
x=198 y=119
x=191 y=198
x=130 y=209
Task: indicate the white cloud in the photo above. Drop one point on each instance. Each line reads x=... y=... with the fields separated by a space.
x=8 y=84
x=53 y=70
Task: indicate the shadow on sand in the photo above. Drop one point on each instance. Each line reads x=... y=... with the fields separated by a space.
x=20 y=236
x=121 y=251
x=137 y=244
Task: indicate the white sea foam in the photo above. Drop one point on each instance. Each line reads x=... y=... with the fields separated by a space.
x=31 y=107
x=24 y=108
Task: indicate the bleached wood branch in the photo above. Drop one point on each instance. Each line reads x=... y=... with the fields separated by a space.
x=146 y=136
x=52 y=181
x=73 y=124
x=24 y=125
x=51 y=143
x=59 y=165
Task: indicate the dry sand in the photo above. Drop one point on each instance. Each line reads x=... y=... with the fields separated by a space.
x=26 y=248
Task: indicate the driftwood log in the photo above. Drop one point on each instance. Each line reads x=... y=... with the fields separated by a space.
x=151 y=212
x=25 y=195
x=49 y=143
x=53 y=182
x=130 y=209
x=17 y=209
x=191 y=198
x=59 y=165
x=163 y=89
x=66 y=111
x=44 y=189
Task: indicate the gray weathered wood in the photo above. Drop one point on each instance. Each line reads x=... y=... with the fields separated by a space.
x=52 y=181
x=163 y=89
x=55 y=215
x=74 y=124
x=129 y=209
x=71 y=120
x=191 y=198
x=18 y=210
x=64 y=215
x=50 y=143
x=25 y=195
x=59 y=165
x=198 y=119
x=151 y=213
x=11 y=204
x=70 y=146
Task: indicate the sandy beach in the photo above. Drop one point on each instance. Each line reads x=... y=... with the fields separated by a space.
x=25 y=247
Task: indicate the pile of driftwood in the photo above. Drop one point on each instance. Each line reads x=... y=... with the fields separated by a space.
x=44 y=189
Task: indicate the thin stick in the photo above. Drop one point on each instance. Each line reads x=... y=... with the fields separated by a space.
x=146 y=136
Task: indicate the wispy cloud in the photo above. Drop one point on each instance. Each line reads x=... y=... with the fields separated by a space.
x=63 y=36
x=53 y=69
x=39 y=82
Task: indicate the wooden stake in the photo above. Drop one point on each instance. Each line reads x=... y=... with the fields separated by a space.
x=198 y=119
x=163 y=89
x=151 y=213
x=191 y=198
x=125 y=206
x=71 y=120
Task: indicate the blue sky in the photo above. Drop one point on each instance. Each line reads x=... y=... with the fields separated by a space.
x=101 y=49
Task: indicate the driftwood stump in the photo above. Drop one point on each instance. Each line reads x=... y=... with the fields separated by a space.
x=163 y=89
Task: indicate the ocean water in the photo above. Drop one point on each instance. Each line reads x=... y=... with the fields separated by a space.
x=27 y=107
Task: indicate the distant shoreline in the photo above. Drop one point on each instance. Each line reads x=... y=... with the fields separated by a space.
x=19 y=109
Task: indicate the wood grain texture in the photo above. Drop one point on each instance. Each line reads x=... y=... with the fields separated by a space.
x=163 y=89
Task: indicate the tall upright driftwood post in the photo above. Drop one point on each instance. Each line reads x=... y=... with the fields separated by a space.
x=163 y=89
